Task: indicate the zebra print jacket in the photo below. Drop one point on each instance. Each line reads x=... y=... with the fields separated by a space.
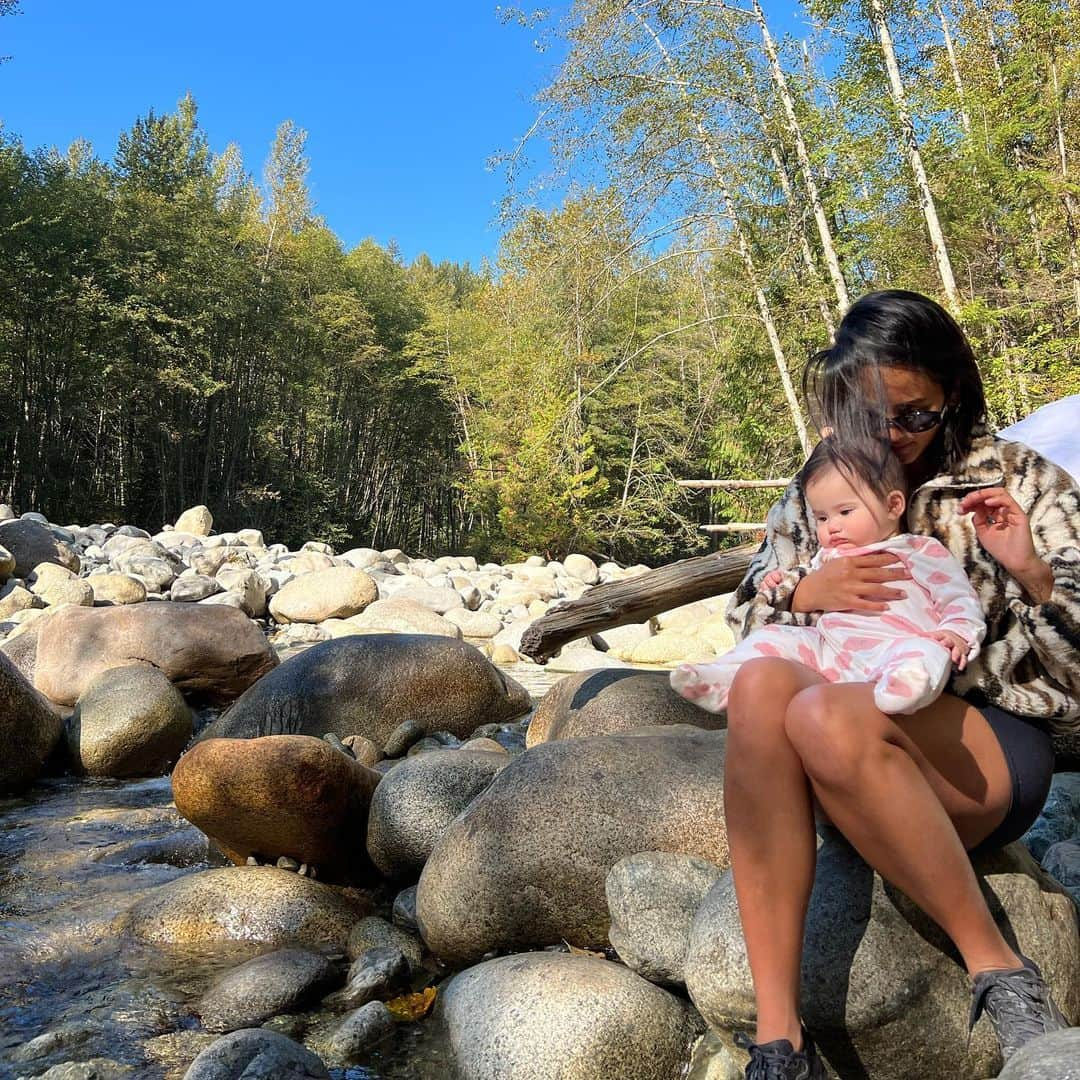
x=1030 y=659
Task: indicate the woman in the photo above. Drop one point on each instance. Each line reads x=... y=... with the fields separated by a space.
x=913 y=794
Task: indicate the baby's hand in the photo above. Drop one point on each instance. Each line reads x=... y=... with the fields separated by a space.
x=957 y=646
x=771 y=580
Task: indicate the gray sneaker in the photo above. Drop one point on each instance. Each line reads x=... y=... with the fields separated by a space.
x=779 y=1060
x=1018 y=1003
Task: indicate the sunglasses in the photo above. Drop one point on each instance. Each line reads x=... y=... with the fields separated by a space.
x=915 y=421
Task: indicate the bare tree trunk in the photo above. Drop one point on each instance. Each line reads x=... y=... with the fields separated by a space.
x=745 y=253
x=954 y=67
x=907 y=129
x=1067 y=197
x=832 y=262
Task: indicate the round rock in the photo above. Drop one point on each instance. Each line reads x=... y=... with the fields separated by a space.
x=130 y=721
x=547 y=1016
x=335 y=593
x=278 y=982
x=30 y=543
x=652 y=897
x=362 y=1029
x=116 y=589
x=525 y=864
x=418 y=799
x=256 y=1054
x=258 y=904
x=291 y=795
x=197 y=520
x=1052 y=1057
x=29 y=729
x=370 y=684
x=610 y=701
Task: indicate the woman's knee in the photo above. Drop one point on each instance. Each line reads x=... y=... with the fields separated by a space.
x=831 y=735
x=760 y=694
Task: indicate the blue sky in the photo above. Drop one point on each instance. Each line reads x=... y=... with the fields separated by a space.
x=403 y=102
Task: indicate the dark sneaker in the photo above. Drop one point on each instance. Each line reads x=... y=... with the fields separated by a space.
x=1018 y=1003
x=779 y=1060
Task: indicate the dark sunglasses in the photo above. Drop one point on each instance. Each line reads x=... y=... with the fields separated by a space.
x=915 y=421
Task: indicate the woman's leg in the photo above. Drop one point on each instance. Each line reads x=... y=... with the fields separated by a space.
x=911 y=793
x=770 y=829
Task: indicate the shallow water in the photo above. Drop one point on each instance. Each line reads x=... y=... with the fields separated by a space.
x=71 y=987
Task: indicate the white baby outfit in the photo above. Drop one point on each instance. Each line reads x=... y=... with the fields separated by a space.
x=890 y=649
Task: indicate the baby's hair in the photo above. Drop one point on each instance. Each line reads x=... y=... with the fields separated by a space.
x=872 y=463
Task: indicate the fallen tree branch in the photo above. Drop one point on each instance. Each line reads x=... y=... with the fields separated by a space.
x=635 y=600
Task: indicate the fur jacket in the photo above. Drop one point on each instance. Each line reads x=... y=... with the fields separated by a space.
x=1030 y=659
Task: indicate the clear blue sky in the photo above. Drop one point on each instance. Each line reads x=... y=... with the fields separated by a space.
x=403 y=102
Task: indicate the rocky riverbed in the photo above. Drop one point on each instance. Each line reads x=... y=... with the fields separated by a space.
x=274 y=813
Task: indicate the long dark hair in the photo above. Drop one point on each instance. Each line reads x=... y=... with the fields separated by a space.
x=873 y=464
x=895 y=328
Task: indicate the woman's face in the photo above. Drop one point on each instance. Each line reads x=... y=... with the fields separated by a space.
x=908 y=390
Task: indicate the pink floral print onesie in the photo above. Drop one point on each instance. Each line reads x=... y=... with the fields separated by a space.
x=889 y=649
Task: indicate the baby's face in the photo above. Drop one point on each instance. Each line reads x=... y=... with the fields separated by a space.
x=847 y=514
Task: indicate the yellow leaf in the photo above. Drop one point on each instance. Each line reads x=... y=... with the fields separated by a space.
x=412 y=1006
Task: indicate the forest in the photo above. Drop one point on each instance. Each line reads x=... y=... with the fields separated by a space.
x=175 y=329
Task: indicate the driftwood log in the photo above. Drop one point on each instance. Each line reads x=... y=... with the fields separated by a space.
x=635 y=600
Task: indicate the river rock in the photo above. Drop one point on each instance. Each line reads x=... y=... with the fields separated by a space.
x=14 y=598
x=29 y=729
x=156 y=574
x=210 y=653
x=475 y=624
x=130 y=721
x=191 y=588
x=375 y=933
x=57 y=585
x=1052 y=1057
x=116 y=589
x=362 y=1029
x=7 y=564
x=582 y=568
x=400 y=615
x=30 y=543
x=248 y=586
x=291 y=795
x=368 y=685
x=652 y=898
x=256 y=904
x=524 y=865
x=545 y=1016
x=611 y=701
x=670 y=647
x=382 y=972
x=197 y=520
x=256 y=1054
x=334 y=593
x=879 y=975
x=286 y=980
x=418 y=799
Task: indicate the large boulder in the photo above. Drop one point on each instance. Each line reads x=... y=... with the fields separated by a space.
x=29 y=729
x=398 y=614
x=57 y=585
x=130 y=721
x=291 y=795
x=525 y=864
x=256 y=1054
x=545 y=1016
x=418 y=799
x=335 y=593
x=31 y=543
x=883 y=991
x=610 y=701
x=116 y=589
x=198 y=521
x=652 y=897
x=285 y=980
x=369 y=684
x=211 y=654
x=254 y=904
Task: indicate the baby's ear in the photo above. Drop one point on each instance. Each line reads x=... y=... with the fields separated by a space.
x=896 y=503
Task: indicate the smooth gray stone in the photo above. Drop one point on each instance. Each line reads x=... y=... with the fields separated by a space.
x=1060 y=816
x=377 y=973
x=362 y=1029
x=653 y=897
x=403 y=736
x=372 y=932
x=255 y=1054
x=404 y=910
x=29 y=729
x=278 y=982
x=550 y=1016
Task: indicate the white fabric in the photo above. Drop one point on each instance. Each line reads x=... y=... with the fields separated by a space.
x=1053 y=431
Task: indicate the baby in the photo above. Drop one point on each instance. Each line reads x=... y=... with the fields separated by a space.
x=906 y=652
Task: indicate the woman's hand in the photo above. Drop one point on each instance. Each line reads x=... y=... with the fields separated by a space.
x=1004 y=531
x=852 y=583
